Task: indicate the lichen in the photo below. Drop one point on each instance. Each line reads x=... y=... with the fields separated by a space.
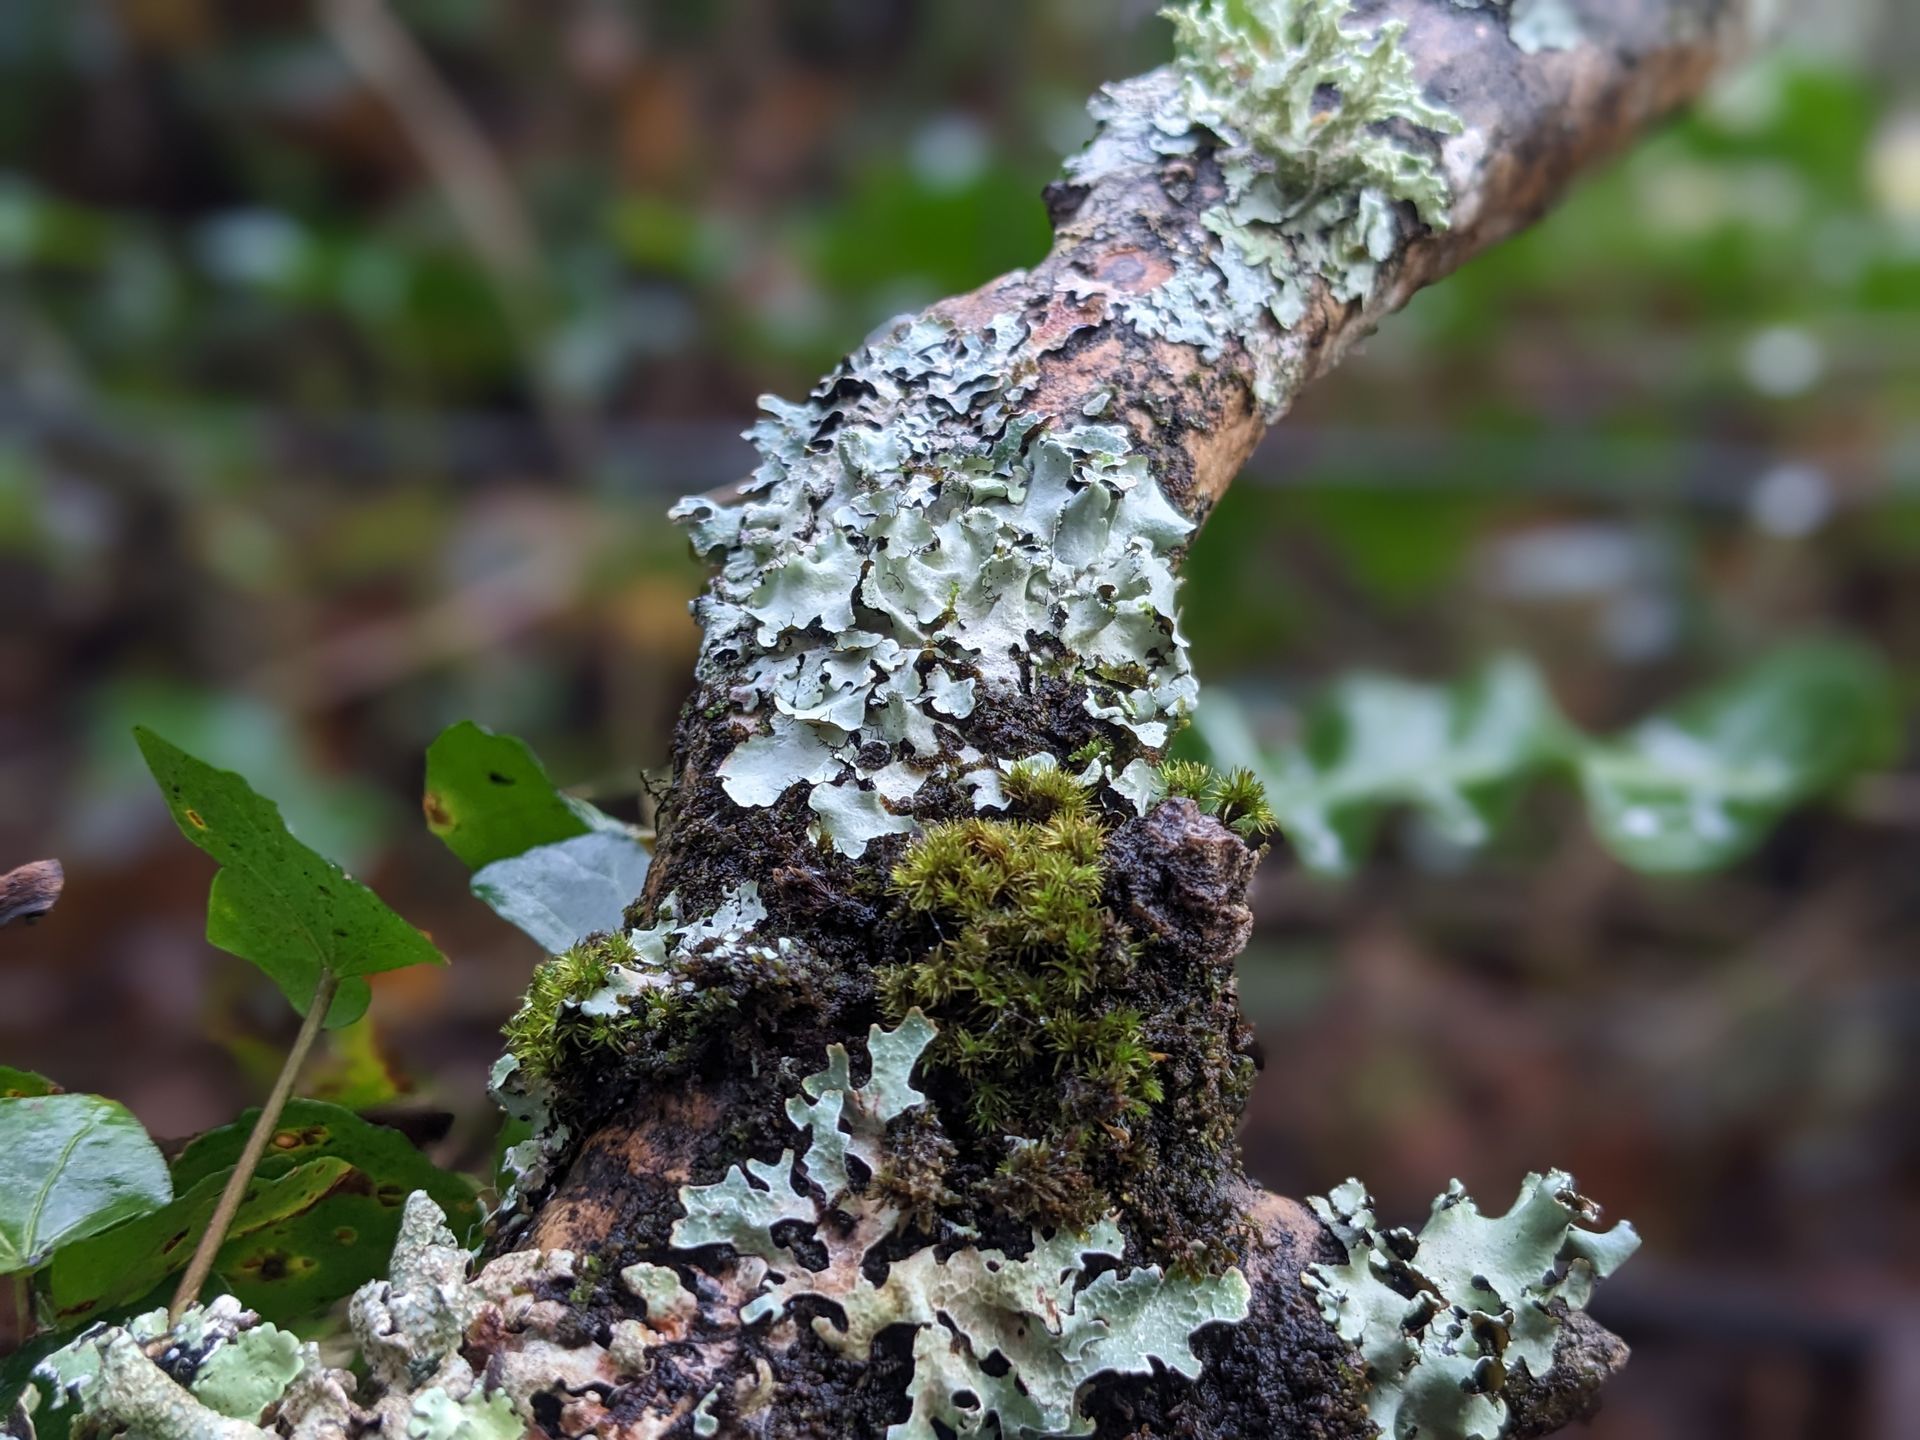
x=1535 y=25
x=436 y=1415
x=1541 y=25
x=243 y=1378
x=914 y=544
x=642 y=1006
x=1443 y=1318
x=998 y=1340
x=1317 y=167
x=217 y=1374
x=445 y=1355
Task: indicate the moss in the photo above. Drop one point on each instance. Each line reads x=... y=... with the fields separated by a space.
x=658 y=1032
x=624 y=1014
x=1236 y=798
x=586 y=1282
x=1019 y=975
x=536 y=1032
x=919 y=1160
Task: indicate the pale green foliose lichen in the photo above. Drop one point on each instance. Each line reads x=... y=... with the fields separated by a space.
x=1316 y=175
x=211 y=1376
x=436 y=1415
x=658 y=1287
x=1322 y=174
x=250 y=1372
x=1483 y=1290
x=1051 y=1332
x=1535 y=25
x=915 y=543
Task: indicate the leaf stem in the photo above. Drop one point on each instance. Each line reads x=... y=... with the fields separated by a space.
x=216 y=1232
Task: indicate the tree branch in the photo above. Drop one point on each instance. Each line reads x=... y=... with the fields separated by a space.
x=958 y=555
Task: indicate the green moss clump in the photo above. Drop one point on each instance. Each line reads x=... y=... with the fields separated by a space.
x=544 y=1030
x=657 y=1031
x=1019 y=977
x=1237 y=798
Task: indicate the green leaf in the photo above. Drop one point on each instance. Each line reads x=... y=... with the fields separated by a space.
x=318 y=1221
x=1700 y=787
x=489 y=798
x=560 y=894
x=284 y=907
x=1454 y=754
x=302 y=1260
x=122 y=1264
x=1689 y=790
x=313 y=1129
x=71 y=1166
x=20 y=1084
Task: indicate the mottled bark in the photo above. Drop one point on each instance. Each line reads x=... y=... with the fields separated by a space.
x=1128 y=227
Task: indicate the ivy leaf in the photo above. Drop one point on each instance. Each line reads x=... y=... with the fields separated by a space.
x=1695 y=788
x=489 y=798
x=21 y=1084
x=120 y=1265
x=284 y=907
x=1456 y=755
x=315 y=1129
x=1700 y=787
x=70 y=1167
x=305 y=1260
x=560 y=894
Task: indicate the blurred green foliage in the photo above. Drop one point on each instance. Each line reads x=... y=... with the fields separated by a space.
x=1683 y=792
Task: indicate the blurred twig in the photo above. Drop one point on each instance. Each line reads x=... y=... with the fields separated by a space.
x=30 y=891
x=475 y=185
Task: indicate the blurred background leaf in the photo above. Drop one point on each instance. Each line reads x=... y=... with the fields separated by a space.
x=1682 y=792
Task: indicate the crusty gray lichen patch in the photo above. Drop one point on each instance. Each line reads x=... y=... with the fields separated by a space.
x=1444 y=1318
x=913 y=542
x=998 y=1340
x=1326 y=144
x=220 y=1374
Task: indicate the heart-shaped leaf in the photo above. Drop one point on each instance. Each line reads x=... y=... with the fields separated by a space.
x=284 y=907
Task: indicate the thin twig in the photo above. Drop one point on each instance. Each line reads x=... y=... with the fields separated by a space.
x=263 y=1128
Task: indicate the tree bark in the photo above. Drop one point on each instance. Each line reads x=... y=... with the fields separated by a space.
x=1127 y=323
